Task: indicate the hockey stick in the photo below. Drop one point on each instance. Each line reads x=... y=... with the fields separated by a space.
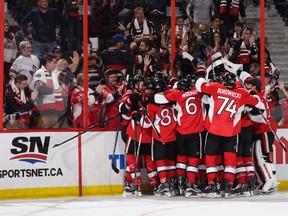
x=211 y=57
x=140 y=140
x=275 y=134
x=135 y=145
x=89 y=129
x=114 y=168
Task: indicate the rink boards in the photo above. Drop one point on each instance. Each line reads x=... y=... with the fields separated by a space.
x=31 y=168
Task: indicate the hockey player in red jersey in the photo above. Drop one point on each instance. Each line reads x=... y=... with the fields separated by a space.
x=190 y=125
x=244 y=181
x=139 y=140
x=264 y=127
x=223 y=124
x=244 y=176
x=163 y=121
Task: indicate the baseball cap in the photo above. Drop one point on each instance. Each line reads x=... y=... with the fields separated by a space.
x=118 y=38
x=255 y=82
x=56 y=48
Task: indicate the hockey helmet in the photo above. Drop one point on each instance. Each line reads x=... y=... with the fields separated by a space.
x=183 y=85
x=191 y=79
x=229 y=80
x=171 y=81
x=158 y=76
x=137 y=79
x=159 y=86
x=149 y=82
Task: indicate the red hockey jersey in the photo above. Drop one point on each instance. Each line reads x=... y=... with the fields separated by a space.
x=77 y=100
x=226 y=106
x=259 y=123
x=189 y=110
x=164 y=120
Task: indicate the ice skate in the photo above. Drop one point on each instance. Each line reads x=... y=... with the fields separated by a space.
x=129 y=190
x=242 y=190
x=138 y=192
x=181 y=185
x=155 y=188
x=173 y=187
x=211 y=191
x=163 y=190
x=192 y=190
x=251 y=185
x=221 y=188
x=229 y=193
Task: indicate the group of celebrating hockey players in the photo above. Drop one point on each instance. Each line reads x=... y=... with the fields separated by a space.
x=208 y=134
x=203 y=134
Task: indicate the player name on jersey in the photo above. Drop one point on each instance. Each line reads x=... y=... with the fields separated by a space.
x=230 y=93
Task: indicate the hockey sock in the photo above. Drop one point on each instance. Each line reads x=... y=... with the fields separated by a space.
x=172 y=168
x=192 y=169
x=162 y=169
x=220 y=169
x=249 y=167
x=151 y=170
x=211 y=167
x=240 y=170
x=230 y=166
x=202 y=169
x=181 y=165
x=128 y=176
x=131 y=163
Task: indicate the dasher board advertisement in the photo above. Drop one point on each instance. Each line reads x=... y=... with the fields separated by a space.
x=27 y=160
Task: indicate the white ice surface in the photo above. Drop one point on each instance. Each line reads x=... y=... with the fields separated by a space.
x=264 y=205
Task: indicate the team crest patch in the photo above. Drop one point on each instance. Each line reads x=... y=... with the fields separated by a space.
x=38 y=75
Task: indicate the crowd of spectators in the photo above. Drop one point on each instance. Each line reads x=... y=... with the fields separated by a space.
x=134 y=37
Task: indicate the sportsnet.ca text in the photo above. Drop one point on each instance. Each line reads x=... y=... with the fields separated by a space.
x=30 y=173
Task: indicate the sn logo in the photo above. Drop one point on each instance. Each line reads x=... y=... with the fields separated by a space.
x=31 y=149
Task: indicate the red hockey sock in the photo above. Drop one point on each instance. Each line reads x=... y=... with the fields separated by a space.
x=230 y=166
x=211 y=167
x=240 y=170
x=202 y=169
x=220 y=169
x=162 y=170
x=151 y=170
x=131 y=163
x=249 y=167
x=181 y=165
x=192 y=169
x=172 y=168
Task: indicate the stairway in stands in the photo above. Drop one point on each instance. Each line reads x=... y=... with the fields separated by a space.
x=277 y=34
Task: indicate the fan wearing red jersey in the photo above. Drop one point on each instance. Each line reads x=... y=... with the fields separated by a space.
x=223 y=124
x=189 y=127
x=77 y=101
x=111 y=96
